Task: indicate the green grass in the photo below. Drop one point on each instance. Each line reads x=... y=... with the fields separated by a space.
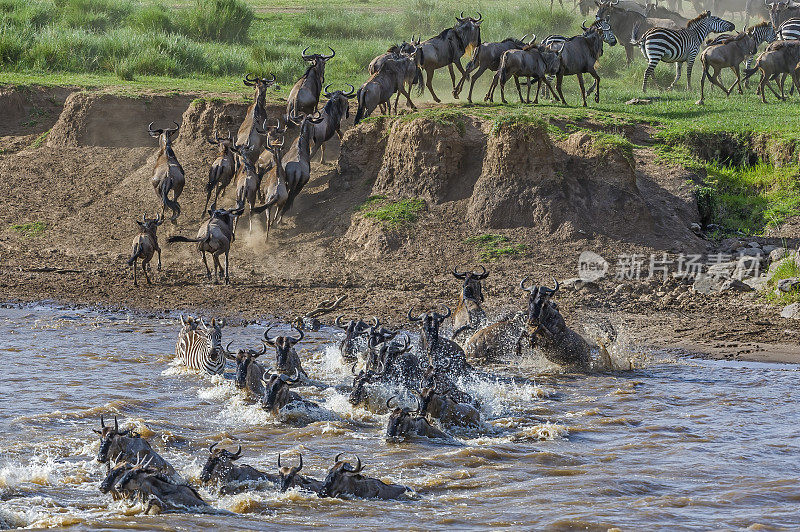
x=391 y=213
x=40 y=139
x=786 y=269
x=492 y=247
x=30 y=229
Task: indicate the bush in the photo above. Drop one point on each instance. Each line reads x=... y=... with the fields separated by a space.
x=154 y=18
x=218 y=20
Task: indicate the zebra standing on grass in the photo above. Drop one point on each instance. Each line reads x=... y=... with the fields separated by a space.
x=681 y=46
x=789 y=30
x=202 y=349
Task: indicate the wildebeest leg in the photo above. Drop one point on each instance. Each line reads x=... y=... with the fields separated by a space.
x=146 y=276
x=396 y=99
x=429 y=84
x=205 y=262
x=583 y=89
x=227 y=279
x=597 y=85
x=703 y=86
x=475 y=77
x=503 y=92
x=528 y=99
x=457 y=63
x=490 y=93
x=134 y=274
x=547 y=86
x=628 y=54
x=559 y=81
x=519 y=89
x=538 y=88
x=217 y=267
x=158 y=250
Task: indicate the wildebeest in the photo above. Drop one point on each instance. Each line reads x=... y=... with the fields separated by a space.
x=780 y=57
x=781 y=11
x=298 y=167
x=447 y=48
x=548 y=332
x=168 y=173
x=449 y=412
x=579 y=55
x=494 y=342
x=622 y=22
x=159 y=492
x=108 y=484
x=344 y=479
x=336 y=109
x=145 y=244
x=728 y=54
x=219 y=468
x=304 y=96
x=276 y=192
x=369 y=390
x=248 y=184
x=487 y=57
x=248 y=371
x=379 y=88
x=536 y=63
x=214 y=236
x=286 y=358
x=127 y=446
x=439 y=352
x=348 y=347
x=248 y=134
x=396 y=364
x=404 y=422
x=277 y=393
x=222 y=169
x=290 y=477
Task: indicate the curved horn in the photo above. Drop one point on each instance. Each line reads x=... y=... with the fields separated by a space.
x=116 y=424
x=304 y=56
x=358 y=467
x=102 y=422
x=211 y=448
x=412 y=318
x=279 y=459
x=270 y=341
x=583 y=26
x=389 y=400
x=176 y=128
x=325 y=91
x=269 y=81
x=522 y=285
x=375 y=321
x=352 y=92
x=299 y=467
x=263 y=349
x=457 y=274
x=483 y=275
x=460 y=17
x=238 y=453
x=480 y=17
x=338 y=321
x=353 y=369
x=228 y=347
x=333 y=53
x=336 y=460
x=302 y=335
x=295 y=378
x=248 y=81
x=448 y=312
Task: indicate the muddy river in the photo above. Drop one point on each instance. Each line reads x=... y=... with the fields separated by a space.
x=679 y=443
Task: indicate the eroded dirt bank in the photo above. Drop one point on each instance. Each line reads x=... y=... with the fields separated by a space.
x=551 y=196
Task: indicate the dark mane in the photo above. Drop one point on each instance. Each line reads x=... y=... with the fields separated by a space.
x=509 y=39
x=698 y=18
x=445 y=32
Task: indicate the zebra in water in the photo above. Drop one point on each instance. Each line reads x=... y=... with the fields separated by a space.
x=202 y=349
x=681 y=46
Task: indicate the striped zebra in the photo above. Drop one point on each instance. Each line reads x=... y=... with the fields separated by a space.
x=202 y=349
x=789 y=30
x=679 y=46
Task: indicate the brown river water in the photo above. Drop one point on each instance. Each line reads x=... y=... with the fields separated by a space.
x=678 y=443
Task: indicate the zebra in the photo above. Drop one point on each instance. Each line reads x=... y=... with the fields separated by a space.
x=789 y=30
x=681 y=46
x=763 y=32
x=202 y=349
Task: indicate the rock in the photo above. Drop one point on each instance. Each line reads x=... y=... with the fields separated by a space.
x=747 y=267
x=789 y=284
x=751 y=252
x=707 y=284
x=735 y=285
x=778 y=254
x=576 y=283
x=730 y=245
x=696 y=229
x=639 y=101
x=754 y=245
x=722 y=270
x=757 y=283
x=768 y=249
x=791 y=312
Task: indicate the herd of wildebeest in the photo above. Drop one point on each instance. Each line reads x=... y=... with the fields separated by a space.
x=421 y=387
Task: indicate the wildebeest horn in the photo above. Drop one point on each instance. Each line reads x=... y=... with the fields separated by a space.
x=228 y=347
x=159 y=219
x=457 y=274
x=154 y=132
x=295 y=378
x=389 y=401
x=375 y=321
x=238 y=453
x=325 y=91
x=263 y=349
x=116 y=424
x=522 y=285
x=358 y=467
x=460 y=17
x=248 y=81
x=353 y=369
x=211 y=448
x=299 y=467
x=304 y=56
x=269 y=81
x=583 y=26
x=333 y=53
x=446 y=315
x=352 y=92
x=295 y=340
x=412 y=318
x=338 y=321
x=176 y=128
x=270 y=341
x=480 y=17
x=336 y=460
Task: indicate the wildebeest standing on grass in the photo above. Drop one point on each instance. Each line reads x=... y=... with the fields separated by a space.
x=380 y=87
x=780 y=57
x=487 y=57
x=536 y=63
x=168 y=173
x=622 y=22
x=447 y=48
x=728 y=54
x=304 y=96
x=145 y=244
x=579 y=55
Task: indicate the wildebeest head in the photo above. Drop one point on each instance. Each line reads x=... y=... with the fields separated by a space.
x=471 y=289
x=429 y=323
x=149 y=225
x=402 y=420
x=107 y=485
x=283 y=345
x=538 y=299
x=261 y=85
x=164 y=136
x=468 y=30
x=353 y=329
x=340 y=478
x=360 y=380
x=219 y=463
x=288 y=473
x=226 y=216
x=243 y=358
x=338 y=104
x=107 y=437
x=276 y=390
x=224 y=143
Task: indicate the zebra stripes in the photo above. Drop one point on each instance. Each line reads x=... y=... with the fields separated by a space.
x=789 y=30
x=764 y=32
x=202 y=349
x=681 y=46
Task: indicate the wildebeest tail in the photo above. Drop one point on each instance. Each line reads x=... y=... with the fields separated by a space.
x=137 y=250
x=418 y=81
x=179 y=238
x=748 y=72
x=502 y=71
x=168 y=203
x=356 y=120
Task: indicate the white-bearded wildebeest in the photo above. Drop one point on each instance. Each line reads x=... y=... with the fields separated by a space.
x=168 y=173
x=248 y=184
x=495 y=341
x=352 y=331
x=404 y=422
x=780 y=57
x=248 y=135
x=248 y=371
x=276 y=190
x=622 y=22
x=336 y=109
x=380 y=87
x=579 y=55
x=304 y=96
x=222 y=169
x=277 y=392
x=298 y=168
x=446 y=49
x=159 y=492
x=728 y=54
x=469 y=314
x=439 y=405
x=286 y=358
x=220 y=468
x=409 y=57
x=145 y=244
x=127 y=446
x=290 y=477
x=344 y=479
x=487 y=57
x=214 y=236
x=536 y=63
x=439 y=352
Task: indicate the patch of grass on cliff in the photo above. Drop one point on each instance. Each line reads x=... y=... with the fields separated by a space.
x=440 y=115
x=492 y=247
x=30 y=229
x=518 y=117
x=787 y=269
x=609 y=142
x=40 y=139
x=392 y=213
